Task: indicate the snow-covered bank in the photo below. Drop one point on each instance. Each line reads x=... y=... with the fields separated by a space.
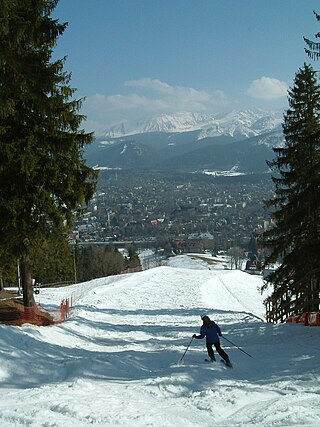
x=115 y=361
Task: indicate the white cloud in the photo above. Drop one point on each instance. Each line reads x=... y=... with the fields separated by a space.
x=151 y=97
x=148 y=83
x=175 y=97
x=123 y=102
x=267 y=88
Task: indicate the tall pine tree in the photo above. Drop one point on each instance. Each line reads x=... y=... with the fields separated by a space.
x=313 y=49
x=294 y=239
x=43 y=176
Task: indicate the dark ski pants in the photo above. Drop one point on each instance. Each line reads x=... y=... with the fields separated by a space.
x=217 y=345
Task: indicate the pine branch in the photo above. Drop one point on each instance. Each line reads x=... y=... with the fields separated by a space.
x=312 y=45
x=312 y=55
x=316 y=15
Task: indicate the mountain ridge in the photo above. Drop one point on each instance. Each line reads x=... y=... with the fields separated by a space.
x=243 y=123
x=192 y=141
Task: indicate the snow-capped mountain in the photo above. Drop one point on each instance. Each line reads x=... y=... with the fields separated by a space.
x=179 y=122
x=238 y=124
x=191 y=141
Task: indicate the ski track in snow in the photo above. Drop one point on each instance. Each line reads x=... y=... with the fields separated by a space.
x=115 y=361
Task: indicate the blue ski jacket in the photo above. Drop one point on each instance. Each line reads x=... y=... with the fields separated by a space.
x=212 y=334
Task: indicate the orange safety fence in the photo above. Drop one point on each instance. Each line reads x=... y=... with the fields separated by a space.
x=308 y=318
x=36 y=316
x=64 y=309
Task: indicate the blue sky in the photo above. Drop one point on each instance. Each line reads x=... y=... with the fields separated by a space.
x=133 y=59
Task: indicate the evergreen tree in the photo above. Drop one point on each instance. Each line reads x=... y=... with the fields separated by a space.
x=43 y=177
x=294 y=239
x=252 y=247
x=313 y=50
x=8 y=269
x=133 y=258
x=52 y=260
x=99 y=261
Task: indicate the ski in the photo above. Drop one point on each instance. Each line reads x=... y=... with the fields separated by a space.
x=225 y=363
x=209 y=360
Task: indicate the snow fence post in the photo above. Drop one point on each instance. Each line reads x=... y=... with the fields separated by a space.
x=62 y=310
x=67 y=307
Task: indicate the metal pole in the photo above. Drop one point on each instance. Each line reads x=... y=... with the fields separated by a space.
x=74 y=261
x=180 y=360
x=19 y=278
x=237 y=346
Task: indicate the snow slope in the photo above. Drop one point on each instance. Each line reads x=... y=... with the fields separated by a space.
x=115 y=361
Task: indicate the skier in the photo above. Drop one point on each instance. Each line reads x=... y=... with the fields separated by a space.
x=211 y=331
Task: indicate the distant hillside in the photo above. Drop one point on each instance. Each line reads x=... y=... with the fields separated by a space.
x=244 y=139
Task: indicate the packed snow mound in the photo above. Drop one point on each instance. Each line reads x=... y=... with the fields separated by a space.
x=117 y=360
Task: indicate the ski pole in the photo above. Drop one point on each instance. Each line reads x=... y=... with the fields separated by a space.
x=181 y=358
x=239 y=348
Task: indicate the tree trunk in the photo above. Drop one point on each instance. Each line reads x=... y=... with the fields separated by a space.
x=26 y=281
x=314 y=285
